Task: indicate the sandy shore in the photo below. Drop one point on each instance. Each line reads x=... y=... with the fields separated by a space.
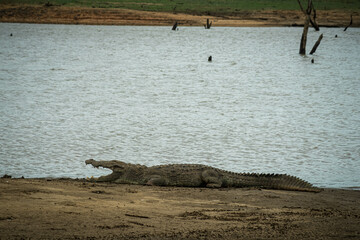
x=77 y=209
x=101 y=16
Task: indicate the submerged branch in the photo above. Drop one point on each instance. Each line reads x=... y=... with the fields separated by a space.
x=316 y=44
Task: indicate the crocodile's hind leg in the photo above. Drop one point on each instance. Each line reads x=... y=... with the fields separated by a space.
x=211 y=179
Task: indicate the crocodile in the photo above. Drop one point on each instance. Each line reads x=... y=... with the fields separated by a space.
x=196 y=175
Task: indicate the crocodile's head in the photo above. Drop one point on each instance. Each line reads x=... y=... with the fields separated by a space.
x=116 y=166
x=120 y=170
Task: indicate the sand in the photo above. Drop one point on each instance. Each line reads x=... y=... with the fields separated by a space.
x=78 y=209
x=101 y=16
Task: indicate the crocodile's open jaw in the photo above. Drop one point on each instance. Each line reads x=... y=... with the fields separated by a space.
x=116 y=168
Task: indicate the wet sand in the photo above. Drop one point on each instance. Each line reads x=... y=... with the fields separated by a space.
x=77 y=209
x=101 y=16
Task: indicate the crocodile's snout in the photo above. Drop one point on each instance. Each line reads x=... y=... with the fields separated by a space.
x=89 y=161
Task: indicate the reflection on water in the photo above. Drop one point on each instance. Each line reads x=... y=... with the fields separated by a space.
x=148 y=95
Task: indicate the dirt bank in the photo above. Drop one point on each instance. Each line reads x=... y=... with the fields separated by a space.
x=69 y=209
x=101 y=16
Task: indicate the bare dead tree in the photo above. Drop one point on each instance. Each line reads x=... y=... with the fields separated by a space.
x=208 y=24
x=308 y=11
x=306 y=27
x=314 y=23
x=316 y=44
x=349 y=23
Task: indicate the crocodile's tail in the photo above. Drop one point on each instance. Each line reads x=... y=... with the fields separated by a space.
x=276 y=181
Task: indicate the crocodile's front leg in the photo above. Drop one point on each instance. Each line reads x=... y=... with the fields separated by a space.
x=156 y=180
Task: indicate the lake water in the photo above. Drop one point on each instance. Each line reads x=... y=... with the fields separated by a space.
x=149 y=95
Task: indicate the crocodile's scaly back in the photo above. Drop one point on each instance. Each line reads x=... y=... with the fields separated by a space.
x=196 y=175
x=189 y=175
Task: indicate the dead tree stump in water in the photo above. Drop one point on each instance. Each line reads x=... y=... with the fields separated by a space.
x=304 y=36
x=349 y=23
x=208 y=25
x=316 y=44
x=175 y=26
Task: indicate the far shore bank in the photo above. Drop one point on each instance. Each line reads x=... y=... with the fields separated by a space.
x=79 y=209
x=101 y=16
